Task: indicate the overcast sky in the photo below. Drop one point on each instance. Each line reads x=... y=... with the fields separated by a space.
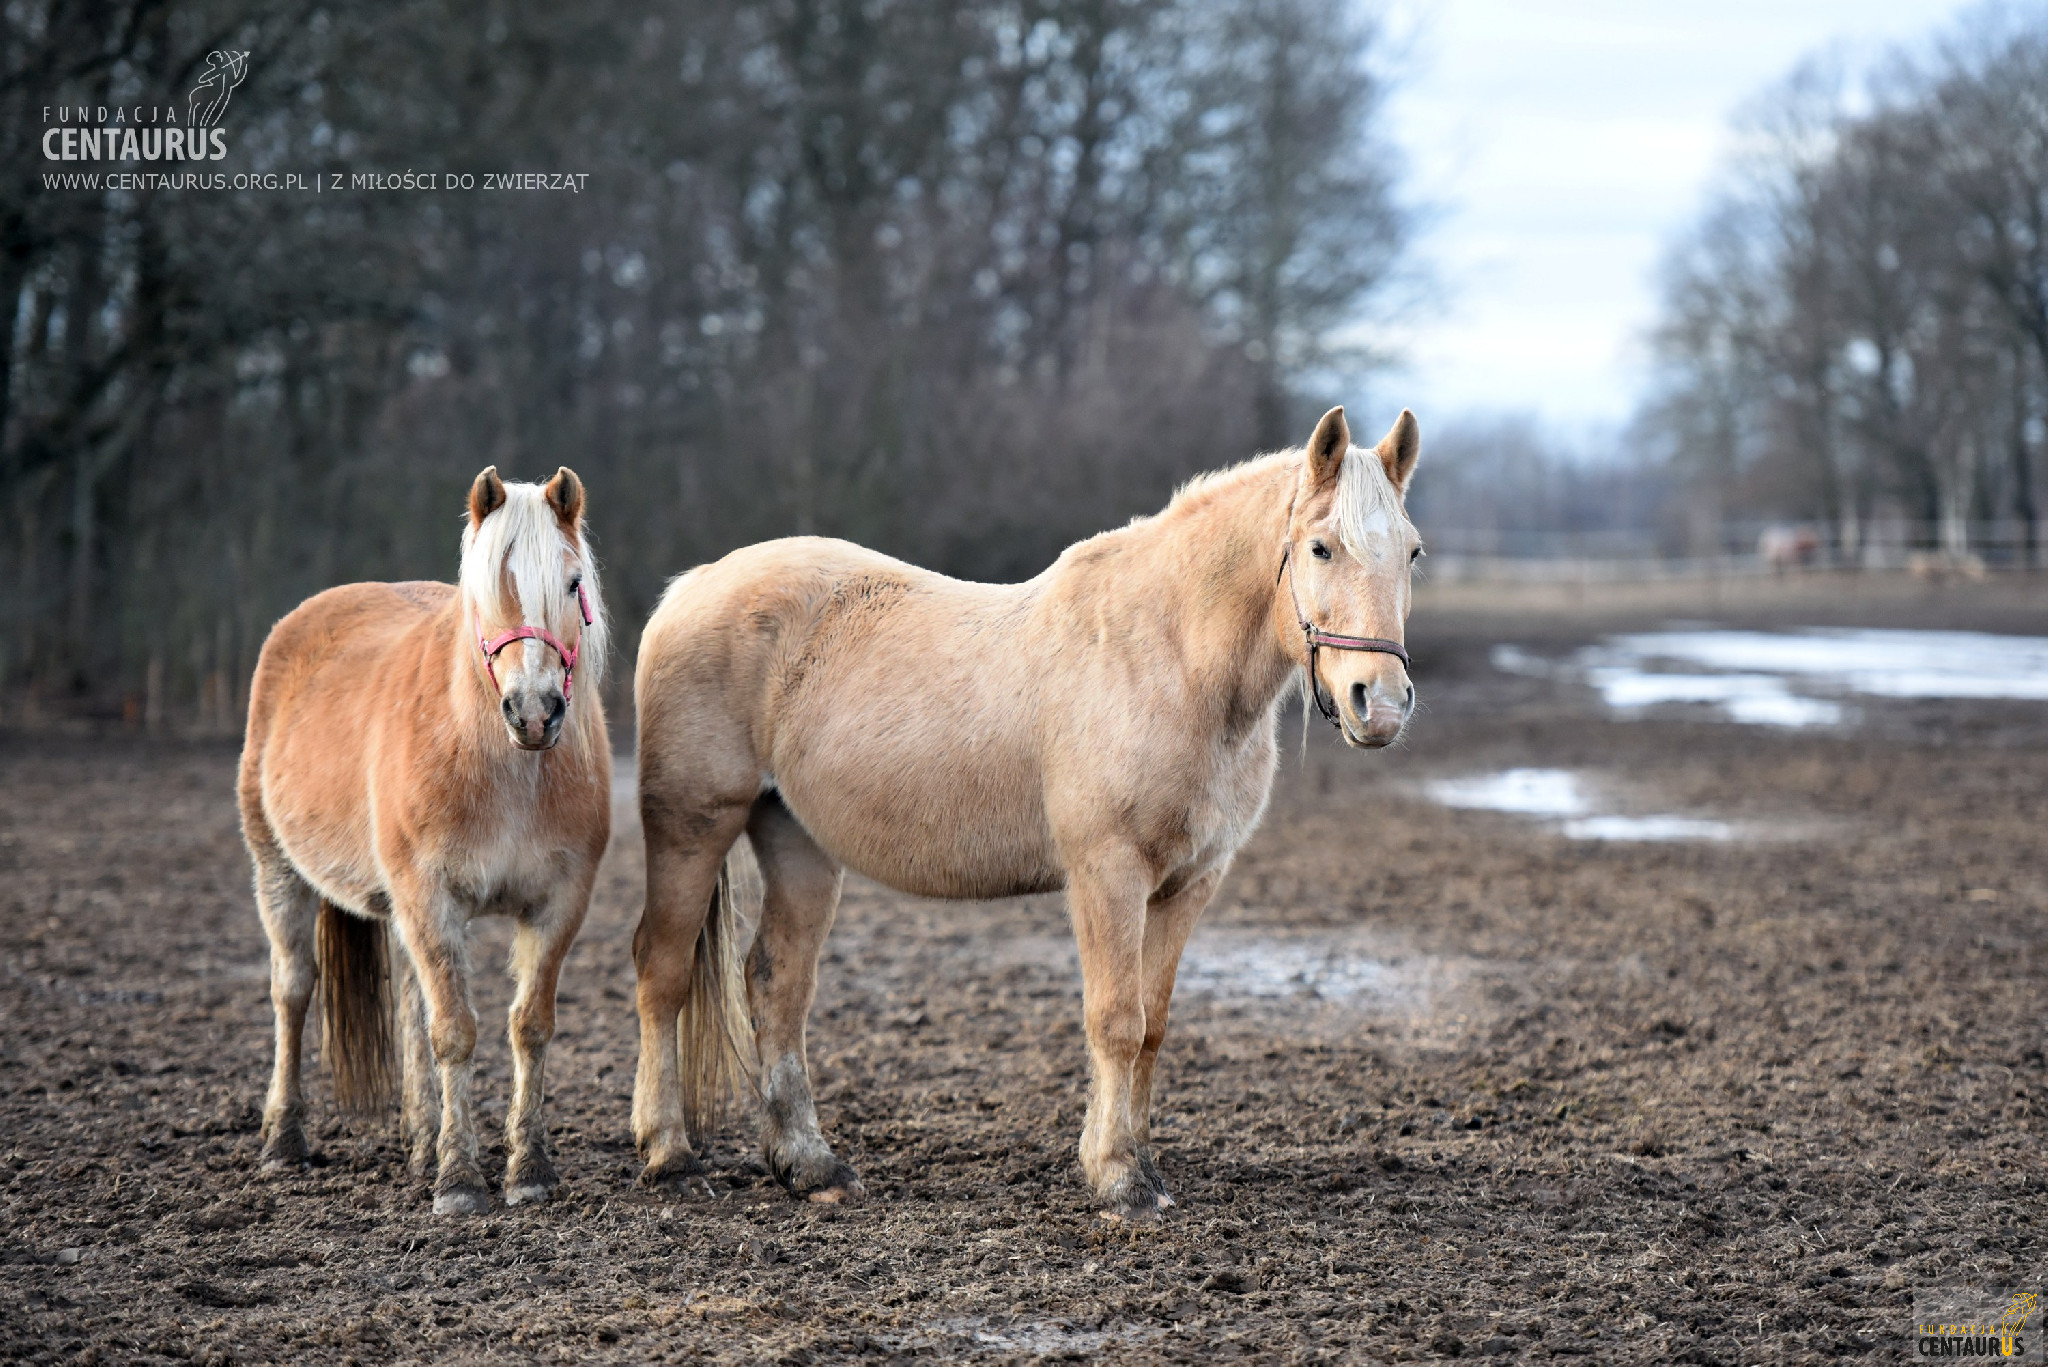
x=1563 y=143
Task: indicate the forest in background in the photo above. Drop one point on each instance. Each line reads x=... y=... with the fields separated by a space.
x=962 y=282
x=1856 y=332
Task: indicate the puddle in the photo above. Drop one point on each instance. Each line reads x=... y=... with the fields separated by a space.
x=1649 y=828
x=1039 y=1340
x=1221 y=964
x=1563 y=796
x=1526 y=792
x=1753 y=699
x=1796 y=678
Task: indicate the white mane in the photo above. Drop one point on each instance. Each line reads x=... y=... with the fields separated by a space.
x=522 y=542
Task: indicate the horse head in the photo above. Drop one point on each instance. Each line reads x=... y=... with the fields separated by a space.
x=531 y=600
x=1346 y=567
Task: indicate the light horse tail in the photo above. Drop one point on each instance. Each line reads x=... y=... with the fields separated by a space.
x=714 y=1039
x=355 y=1010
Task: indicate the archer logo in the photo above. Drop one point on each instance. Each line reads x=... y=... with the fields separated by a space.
x=209 y=100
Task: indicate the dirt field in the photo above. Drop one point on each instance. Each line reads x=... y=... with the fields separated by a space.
x=1441 y=1083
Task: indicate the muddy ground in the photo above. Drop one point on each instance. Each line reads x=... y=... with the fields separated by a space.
x=1440 y=1083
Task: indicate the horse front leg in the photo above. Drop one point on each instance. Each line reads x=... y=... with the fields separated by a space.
x=419 y=1125
x=1107 y=900
x=1168 y=923
x=540 y=943
x=435 y=932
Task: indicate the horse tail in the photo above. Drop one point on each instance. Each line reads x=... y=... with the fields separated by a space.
x=716 y=1052
x=355 y=1009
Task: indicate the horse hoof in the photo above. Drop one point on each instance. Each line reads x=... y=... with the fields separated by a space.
x=845 y=1190
x=462 y=1201
x=529 y=1194
x=1139 y=1199
x=683 y=1176
x=285 y=1152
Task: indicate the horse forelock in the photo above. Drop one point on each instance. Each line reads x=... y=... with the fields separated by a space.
x=517 y=565
x=1367 y=507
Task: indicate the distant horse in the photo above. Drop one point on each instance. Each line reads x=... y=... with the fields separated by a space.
x=1108 y=727
x=420 y=754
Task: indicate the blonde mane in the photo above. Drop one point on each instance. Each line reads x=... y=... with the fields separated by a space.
x=1367 y=503
x=522 y=545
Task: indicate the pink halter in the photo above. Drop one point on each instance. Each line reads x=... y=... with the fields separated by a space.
x=495 y=644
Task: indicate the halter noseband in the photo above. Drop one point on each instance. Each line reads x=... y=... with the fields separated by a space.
x=1315 y=637
x=491 y=647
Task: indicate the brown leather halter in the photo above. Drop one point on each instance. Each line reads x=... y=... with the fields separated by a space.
x=1315 y=637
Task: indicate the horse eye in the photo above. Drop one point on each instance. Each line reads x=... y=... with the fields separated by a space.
x=1415 y=555
x=1319 y=550
x=575 y=584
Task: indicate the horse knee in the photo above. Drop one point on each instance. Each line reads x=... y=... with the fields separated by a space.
x=1117 y=1029
x=533 y=1028
x=291 y=984
x=453 y=1034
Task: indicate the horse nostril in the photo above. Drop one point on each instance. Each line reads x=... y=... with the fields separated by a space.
x=1410 y=702
x=557 y=705
x=511 y=712
x=1358 y=699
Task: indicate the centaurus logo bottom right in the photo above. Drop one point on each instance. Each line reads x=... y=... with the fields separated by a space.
x=1961 y=1323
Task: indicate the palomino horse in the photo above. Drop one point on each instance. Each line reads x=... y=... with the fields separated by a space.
x=1109 y=727
x=422 y=754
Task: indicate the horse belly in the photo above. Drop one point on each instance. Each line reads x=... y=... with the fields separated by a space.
x=928 y=833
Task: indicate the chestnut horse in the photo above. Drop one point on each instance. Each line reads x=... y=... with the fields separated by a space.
x=419 y=754
x=1108 y=727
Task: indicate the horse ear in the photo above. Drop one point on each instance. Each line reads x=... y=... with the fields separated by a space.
x=1327 y=447
x=486 y=496
x=1399 y=448
x=565 y=495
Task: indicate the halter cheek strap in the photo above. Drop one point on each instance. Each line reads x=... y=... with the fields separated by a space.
x=493 y=645
x=1316 y=638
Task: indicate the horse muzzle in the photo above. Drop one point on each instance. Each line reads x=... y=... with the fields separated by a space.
x=1373 y=717
x=534 y=720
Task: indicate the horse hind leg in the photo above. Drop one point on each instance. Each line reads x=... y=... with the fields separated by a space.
x=290 y=909
x=419 y=1121
x=686 y=850
x=800 y=898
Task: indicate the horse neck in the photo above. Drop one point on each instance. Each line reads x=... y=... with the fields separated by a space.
x=1218 y=557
